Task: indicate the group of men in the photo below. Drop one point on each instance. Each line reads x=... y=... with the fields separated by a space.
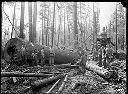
x=104 y=55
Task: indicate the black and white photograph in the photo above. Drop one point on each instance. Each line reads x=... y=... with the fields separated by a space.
x=63 y=47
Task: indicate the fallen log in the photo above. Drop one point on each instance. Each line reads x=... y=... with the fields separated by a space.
x=62 y=85
x=20 y=52
x=66 y=66
x=104 y=73
x=50 y=90
x=36 y=85
x=21 y=74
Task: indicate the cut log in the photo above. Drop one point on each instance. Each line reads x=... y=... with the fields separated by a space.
x=67 y=66
x=76 y=85
x=42 y=83
x=50 y=90
x=62 y=85
x=104 y=73
x=21 y=74
x=21 y=52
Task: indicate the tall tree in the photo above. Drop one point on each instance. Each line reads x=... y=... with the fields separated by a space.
x=13 y=19
x=75 y=25
x=34 y=22
x=116 y=28
x=53 y=26
x=43 y=27
x=47 y=27
x=68 y=28
x=64 y=28
x=30 y=21
x=22 y=21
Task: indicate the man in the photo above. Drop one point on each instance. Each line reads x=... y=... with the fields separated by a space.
x=99 y=55
x=103 y=57
x=109 y=53
x=82 y=63
x=52 y=54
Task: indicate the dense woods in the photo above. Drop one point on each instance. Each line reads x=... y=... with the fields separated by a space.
x=60 y=23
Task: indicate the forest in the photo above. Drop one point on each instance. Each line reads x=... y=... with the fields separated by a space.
x=53 y=48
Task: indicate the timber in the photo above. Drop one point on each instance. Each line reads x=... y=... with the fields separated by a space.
x=62 y=85
x=50 y=90
x=21 y=74
x=67 y=66
x=104 y=73
x=36 y=85
x=18 y=51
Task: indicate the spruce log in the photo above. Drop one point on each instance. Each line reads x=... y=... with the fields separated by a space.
x=18 y=51
x=62 y=85
x=104 y=73
x=36 y=85
x=21 y=74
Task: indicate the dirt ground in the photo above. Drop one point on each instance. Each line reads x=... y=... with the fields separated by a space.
x=89 y=82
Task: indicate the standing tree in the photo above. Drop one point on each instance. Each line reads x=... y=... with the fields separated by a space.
x=30 y=21
x=22 y=21
x=13 y=20
x=64 y=28
x=34 y=22
x=75 y=26
x=53 y=26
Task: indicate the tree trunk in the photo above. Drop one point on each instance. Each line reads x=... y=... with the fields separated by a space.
x=64 y=28
x=68 y=29
x=21 y=74
x=43 y=28
x=59 y=30
x=30 y=21
x=13 y=20
x=47 y=29
x=49 y=92
x=22 y=21
x=34 y=22
x=62 y=85
x=75 y=26
x=104 y=73
x=53 y=27
x=22 y=52
x=43 y=83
